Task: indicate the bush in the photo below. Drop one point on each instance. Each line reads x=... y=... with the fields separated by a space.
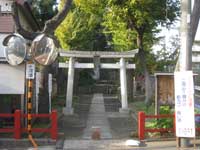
x=163 y=122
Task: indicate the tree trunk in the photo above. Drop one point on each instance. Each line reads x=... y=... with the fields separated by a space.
x=76 y=81
x=142 y=58
x=130 y=84
x=44 y=97
x=61 y=81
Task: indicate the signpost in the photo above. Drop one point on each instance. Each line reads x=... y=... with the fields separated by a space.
x=50 y=90
x=184 y=104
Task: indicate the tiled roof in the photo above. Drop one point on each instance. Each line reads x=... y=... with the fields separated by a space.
x=6 y=24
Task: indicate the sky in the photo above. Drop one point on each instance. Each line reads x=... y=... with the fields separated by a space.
x=167 y=34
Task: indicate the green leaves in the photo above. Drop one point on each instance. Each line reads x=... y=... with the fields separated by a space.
x=116 y=25
x=125 y=21
x=82 y=27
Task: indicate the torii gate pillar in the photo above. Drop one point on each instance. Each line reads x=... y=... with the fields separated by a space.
x=123 y=85
x=68 y=110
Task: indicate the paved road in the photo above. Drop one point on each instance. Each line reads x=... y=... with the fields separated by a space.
x=119 y=145
x=109 y=145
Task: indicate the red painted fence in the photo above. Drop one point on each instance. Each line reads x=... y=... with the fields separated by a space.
x=141 y=124
x=18 y=130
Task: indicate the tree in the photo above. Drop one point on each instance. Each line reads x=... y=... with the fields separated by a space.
x=44 y=10
x=82 y=28
x=48 y=29
x=139 y=19
x=167 y=56
x=49 y=26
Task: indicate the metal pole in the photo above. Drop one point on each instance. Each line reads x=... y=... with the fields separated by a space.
x=30 y=74
x=37 y=82
x=29 y=104
x=50 y=90
x=49 y=102
x=29 y=79
x=185 y=61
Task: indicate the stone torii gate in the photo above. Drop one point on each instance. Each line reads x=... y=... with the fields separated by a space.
x=72 y=64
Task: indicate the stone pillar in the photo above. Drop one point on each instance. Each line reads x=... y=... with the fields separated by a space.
x=123 y=85
x=68 y=110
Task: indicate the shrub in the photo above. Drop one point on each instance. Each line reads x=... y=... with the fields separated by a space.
x=163 y=122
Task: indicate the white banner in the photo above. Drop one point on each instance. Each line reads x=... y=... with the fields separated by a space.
x=184 y=104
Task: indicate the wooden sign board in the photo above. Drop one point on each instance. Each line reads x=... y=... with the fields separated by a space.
x=164 y=90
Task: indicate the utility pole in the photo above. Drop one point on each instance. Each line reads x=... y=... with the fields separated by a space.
x=185 y=51
x=185 y=59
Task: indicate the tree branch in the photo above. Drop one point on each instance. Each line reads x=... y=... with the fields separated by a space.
x=52 y=24
x=26 y=34
x=131 y=23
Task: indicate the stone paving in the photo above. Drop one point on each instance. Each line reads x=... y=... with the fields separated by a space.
x=97 y=119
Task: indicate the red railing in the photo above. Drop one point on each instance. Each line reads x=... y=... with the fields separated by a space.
x=17 y=128
x=197 y=128
x=141 y=124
